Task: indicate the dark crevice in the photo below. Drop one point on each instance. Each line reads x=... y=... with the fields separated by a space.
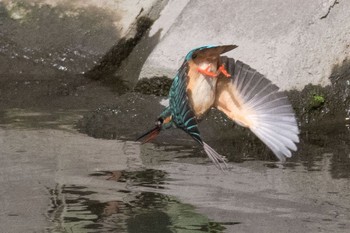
x=329 y=9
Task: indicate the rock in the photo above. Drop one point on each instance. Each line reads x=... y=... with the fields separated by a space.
x=159 y=86
x=66 y=36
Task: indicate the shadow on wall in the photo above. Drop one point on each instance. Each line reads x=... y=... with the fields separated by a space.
x=108 y=69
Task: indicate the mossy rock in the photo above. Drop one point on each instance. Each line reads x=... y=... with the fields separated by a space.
x=317 y=101
x=158 y=86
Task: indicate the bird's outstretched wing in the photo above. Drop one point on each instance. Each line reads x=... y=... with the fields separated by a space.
x=183 y=115
x=253 y=101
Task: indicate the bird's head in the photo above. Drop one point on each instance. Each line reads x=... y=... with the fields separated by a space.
x=161 y=123
x=208 y=53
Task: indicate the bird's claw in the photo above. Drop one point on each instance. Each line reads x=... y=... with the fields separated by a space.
x=209 y=73
x=223 y=70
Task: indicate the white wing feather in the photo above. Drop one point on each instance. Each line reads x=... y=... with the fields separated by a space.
x=254 y=102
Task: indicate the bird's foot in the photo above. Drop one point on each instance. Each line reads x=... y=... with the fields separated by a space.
x=207 y=72
x=223 y=70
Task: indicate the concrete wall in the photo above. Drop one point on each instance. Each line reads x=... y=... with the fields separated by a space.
x=292 y=42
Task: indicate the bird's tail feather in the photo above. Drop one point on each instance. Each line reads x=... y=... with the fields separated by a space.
x=215 y=157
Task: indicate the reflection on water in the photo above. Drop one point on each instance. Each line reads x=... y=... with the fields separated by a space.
x=144 y=178
x=77 y=209
x=30 y=119
x=330 y=143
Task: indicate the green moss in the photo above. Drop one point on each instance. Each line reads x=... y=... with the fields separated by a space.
x=316 y=102
x=319 y=99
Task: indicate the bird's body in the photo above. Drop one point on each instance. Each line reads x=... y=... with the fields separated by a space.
x=204 y=67
x=207 y=80
x=200 y=89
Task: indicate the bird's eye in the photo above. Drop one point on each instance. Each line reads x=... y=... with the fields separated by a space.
x=159 y=121
x=194 y=56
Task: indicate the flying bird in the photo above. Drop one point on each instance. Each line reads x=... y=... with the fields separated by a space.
x=208 y=80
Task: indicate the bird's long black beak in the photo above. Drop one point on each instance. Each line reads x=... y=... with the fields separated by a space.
x=149 y=135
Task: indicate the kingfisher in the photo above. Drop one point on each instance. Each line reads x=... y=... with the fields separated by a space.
x=208 y=80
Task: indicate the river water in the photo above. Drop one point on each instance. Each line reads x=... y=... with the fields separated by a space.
x=55 y=179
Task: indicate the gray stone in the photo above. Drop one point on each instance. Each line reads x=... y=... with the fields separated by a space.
x=64 y=36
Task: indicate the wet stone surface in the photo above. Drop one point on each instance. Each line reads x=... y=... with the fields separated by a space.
x=59 y=37
x=158 y=86
x=316 y=104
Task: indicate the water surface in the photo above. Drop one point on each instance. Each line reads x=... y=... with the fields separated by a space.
x=57 y=179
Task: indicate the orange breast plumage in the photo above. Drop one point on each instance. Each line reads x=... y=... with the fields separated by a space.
x=200 y=89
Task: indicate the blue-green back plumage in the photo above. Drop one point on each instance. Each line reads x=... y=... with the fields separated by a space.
x=182 y=114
